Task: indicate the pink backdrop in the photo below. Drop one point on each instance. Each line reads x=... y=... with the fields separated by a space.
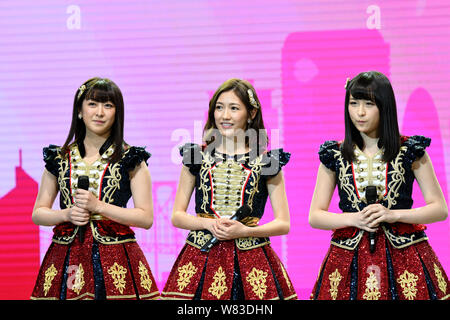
x=168 y=56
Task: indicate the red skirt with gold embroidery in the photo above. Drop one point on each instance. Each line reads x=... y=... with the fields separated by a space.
x=409 y=273
x=92 y=270
x=228 y=273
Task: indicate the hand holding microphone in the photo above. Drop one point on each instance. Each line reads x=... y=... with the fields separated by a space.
x=83 y=183
x=240 y=214
x=371 y=197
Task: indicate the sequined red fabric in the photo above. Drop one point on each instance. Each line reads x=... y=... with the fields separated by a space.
x=64 y=229
x=383 y=274
x=104 y=227
x=398 y=227
x=113 y=229
x=258 y=270
x=124 y=267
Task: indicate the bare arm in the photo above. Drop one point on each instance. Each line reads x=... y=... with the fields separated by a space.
x=141 y=189
x=320 y=217
x=281 y=223
x=43 y=214
x=180 y=217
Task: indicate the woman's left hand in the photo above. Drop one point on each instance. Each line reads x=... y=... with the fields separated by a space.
x=227 y=229
x=86 y=200
x=376 y=214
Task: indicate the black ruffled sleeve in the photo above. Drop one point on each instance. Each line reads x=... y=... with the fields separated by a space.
x=134 y=156
x=51 y=163
x=275 y=160
x=192 y=157
x=326 y=154
x=415 y=148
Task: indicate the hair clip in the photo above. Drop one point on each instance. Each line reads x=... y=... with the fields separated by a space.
x=346 y=83
x=252 y=99
x=82 y=88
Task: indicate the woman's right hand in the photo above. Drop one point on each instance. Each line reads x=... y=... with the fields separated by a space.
x=78 y=216
x=211 y=226
x=361 y=221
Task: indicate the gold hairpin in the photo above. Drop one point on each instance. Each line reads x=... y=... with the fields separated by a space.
x=82 y=88
x=252 y=99
x=346 y=83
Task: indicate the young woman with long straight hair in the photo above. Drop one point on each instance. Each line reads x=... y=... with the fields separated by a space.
x=379 y=250
x=94 y=254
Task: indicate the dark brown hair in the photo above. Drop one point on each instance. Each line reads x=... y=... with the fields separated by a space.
x=373 y=86
x=100 y=90
x=240 y=88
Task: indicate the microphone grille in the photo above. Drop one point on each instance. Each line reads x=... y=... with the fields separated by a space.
x=83 y=182
x=243 y=211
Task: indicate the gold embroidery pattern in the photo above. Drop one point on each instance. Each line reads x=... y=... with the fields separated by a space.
x=112 y=183
x=397 y=178
x=146 y=282
x=346 y=180
x=79 y=280
x=256 y=166
x=65 y=239
x=65 y=192
x=247 y=242
x=207 y=162
x=199 y=237
x=335 y=278
x=398 y=241
x=408 y=282
x=94 y=171
x=185 y=274
x=350 y=243
x=118 y=274
x=441 y=281
x=251 y=242
x=257 y=279
x=50 y=274
x=218 y=287
x=372 y=288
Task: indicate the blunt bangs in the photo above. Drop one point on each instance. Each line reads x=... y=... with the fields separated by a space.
x=365 y=89
x=102 y=91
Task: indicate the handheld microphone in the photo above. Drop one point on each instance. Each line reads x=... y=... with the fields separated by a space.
x=83 y=183
x=371 y=197
x=240 y=214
